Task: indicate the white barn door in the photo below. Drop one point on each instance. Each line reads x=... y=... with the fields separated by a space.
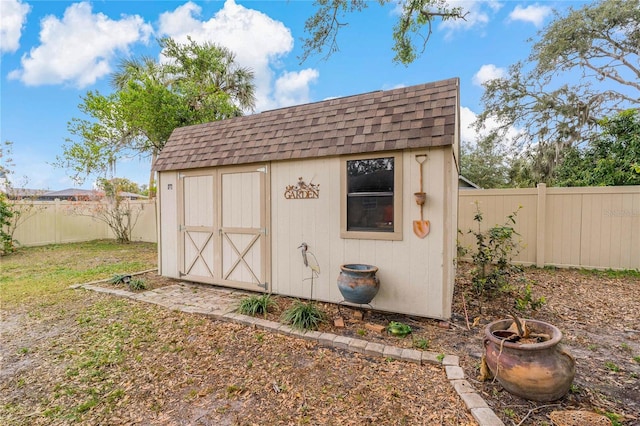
x=244 y=248
x=197 y=229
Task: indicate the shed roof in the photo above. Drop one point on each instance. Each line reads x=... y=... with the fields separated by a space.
x=409 y=117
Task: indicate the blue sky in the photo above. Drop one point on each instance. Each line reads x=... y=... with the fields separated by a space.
x=53 y=52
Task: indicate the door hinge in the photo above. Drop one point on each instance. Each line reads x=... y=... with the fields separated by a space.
x=264 y=231
x=262 y=169
x=263 y=285
x=181 y=228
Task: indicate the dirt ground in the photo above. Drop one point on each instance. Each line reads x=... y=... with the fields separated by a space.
x=597 y=311
x=208 y=372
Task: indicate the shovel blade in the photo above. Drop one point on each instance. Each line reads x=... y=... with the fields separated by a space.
x=421 y=228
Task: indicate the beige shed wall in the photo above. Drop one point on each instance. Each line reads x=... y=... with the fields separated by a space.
x=168 y=224
x=416 y=274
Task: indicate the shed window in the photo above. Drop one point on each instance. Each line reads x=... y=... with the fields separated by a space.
x=371 y=200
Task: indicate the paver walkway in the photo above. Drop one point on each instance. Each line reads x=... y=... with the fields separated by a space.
x=220 y=303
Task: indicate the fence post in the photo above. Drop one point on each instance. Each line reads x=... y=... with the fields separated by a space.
x=541 y=210
x=57 y=237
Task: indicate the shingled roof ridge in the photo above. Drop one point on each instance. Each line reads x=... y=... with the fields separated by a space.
x=406 y=117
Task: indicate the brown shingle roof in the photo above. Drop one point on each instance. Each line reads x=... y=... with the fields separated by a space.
x=410 y=117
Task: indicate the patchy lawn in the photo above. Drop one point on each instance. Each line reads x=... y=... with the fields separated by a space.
x=74 y=357
x=80 y=357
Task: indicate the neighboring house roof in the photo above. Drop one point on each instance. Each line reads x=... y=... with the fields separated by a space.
x=66 y=194
x=19 y=193
x=463 y=182
x=411 y=117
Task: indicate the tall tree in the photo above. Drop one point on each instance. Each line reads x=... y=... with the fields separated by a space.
x=613 y=158
x=411 y=32
x=195 y=83
x=484 y=164
x=598 y=46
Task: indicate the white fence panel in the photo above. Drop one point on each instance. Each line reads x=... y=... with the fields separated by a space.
x=56 y=222
x=593 y=227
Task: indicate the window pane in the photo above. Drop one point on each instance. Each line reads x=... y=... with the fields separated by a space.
x=370 y=190
x=370 y=213
x=374 y=175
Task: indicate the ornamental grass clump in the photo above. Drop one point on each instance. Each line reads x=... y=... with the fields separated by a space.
x=303 y=316
x=256 y=305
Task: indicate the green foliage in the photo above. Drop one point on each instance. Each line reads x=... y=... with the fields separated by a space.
x=303 y=315
x=410 y=33
x=613 y=158
x=6 y=213
x=12 y=212
x=484 y=163
x=119 y=279
x=398 y=329
x=113 y=187
x=615 y=418
x=494 y=251
x=256 y=305
x=611 y=366
x=526 y=300
x=198 y=83
x=420 y=343
x=582 y=67
x=137 y=284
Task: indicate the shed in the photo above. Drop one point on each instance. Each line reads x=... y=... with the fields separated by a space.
x=238 y=197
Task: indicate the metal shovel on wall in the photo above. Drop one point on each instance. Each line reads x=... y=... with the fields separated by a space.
x=421 y=227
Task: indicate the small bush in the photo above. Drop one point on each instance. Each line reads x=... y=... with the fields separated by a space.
x=137 y=284
x=494 y=251
x=420 y=343
x=256 y=305
x=120 y=279
x=526 y=300
x=303 y=316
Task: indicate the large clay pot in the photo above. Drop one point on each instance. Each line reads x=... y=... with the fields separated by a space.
x=538 y=371
x=358 y=283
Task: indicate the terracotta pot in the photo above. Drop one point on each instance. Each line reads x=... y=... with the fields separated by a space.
x=358 y=283
x=538 y=371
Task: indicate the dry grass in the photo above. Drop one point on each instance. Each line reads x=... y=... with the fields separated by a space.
x=77 y=357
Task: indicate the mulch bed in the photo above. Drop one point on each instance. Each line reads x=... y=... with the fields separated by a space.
x=596 y=311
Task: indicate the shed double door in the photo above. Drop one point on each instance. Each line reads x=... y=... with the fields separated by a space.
x=224 y=227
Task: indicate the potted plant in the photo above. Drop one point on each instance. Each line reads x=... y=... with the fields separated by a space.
x=526 y=357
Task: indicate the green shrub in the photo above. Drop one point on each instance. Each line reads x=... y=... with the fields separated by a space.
x=6 y=213
x=303 y=316
x=526 y=300
x=136 y=284
x=256 y=305
x=494 y=251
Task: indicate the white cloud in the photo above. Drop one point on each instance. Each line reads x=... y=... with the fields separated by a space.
x=469 y=135
x=476 y=16
x=13 y=16
x=78 y=48
x=292 y=88
x=258 y=41
x=533 y=13
x=488 y=72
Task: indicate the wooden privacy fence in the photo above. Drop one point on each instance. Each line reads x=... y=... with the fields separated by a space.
x=55 y=222
x=566 y=227
x=589 y=227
